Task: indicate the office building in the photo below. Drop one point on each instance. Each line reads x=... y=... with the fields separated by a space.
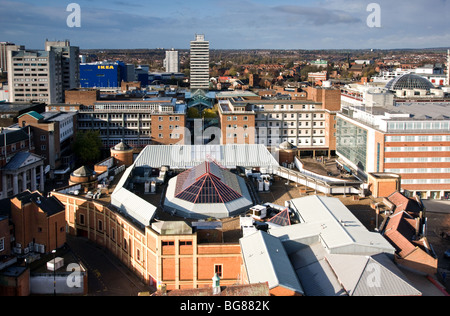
x=172 y=61
x=410 y=139
x=43 y=76
x=138 y=122
x=53 y=134
x=4 y=47
x=35 y=76
x=199 y=63
x=308 y=125
x=70 y=62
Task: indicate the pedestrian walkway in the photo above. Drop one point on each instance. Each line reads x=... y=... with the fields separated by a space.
x=107 y=276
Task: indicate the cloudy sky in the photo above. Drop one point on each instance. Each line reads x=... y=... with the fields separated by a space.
x=229 y=24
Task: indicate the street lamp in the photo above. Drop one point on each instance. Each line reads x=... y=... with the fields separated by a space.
x=54 y=271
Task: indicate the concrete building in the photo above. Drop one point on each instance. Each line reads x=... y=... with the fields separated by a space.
x=172 y=61
x=199 y=56
x=138 y=122
x=4 y=47
x=329 y=253
x=35 y=76
x=70 y=62
x=411 y=139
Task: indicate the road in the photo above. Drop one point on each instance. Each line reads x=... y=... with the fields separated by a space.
x=107 y=276
x=437 y=206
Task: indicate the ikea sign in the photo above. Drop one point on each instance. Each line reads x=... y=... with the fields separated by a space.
x=106 y=67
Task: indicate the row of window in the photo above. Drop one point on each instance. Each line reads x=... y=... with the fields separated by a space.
x=414 y=126
x=304 y=141
x=290 y=124
x=291 y=132
x=420 y=138
x=422 y=149
x=425 y=181
x=263 y=107
x=417 y=159
x=419 y=170
x=289 y=116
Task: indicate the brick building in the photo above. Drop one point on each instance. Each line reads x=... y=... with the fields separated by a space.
x=412 y=140
x=38 y=220
x=307 y=124
x=53 y=133
x=5 y=236
x=138 y=122
x=179 y=260
x=82 y=96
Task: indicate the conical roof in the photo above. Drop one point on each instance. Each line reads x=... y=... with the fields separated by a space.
x=83 y=172
x=286 y=145
x=207 y=183
x=122 y=146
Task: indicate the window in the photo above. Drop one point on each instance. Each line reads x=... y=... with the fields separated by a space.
x=100 y=225
x=82 y=219
x=2 y=244
x=138 y=254
x=218 y=268
x=125 y=244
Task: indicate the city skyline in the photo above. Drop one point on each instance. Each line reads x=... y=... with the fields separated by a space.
x=287 y=24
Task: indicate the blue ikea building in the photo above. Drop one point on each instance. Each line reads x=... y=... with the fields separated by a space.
x=102 y=74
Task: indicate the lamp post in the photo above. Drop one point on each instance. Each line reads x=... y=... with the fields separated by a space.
x=54 y=271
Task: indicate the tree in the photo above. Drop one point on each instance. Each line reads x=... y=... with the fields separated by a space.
x=87 y=146
x=209 y=113
x=193 y=113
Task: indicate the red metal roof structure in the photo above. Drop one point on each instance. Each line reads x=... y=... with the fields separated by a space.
x=283 y=218
x=207 y=183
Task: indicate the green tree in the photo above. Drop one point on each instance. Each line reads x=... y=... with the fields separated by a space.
x=209 y=113
x=193 y=113
x=87 y=146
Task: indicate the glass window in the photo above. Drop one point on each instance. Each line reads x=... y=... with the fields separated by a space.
x=351 y=142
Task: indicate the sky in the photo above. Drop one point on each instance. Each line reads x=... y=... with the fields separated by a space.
x=229 y=24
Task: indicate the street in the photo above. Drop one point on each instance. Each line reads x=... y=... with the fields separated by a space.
x=107 y=276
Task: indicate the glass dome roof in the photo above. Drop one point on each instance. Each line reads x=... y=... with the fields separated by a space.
x=409 y=82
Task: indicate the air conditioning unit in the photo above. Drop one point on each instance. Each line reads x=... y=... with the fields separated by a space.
x=26 y=250
x=17 y=250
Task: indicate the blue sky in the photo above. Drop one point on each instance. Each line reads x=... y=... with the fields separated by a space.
x=229 y=24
